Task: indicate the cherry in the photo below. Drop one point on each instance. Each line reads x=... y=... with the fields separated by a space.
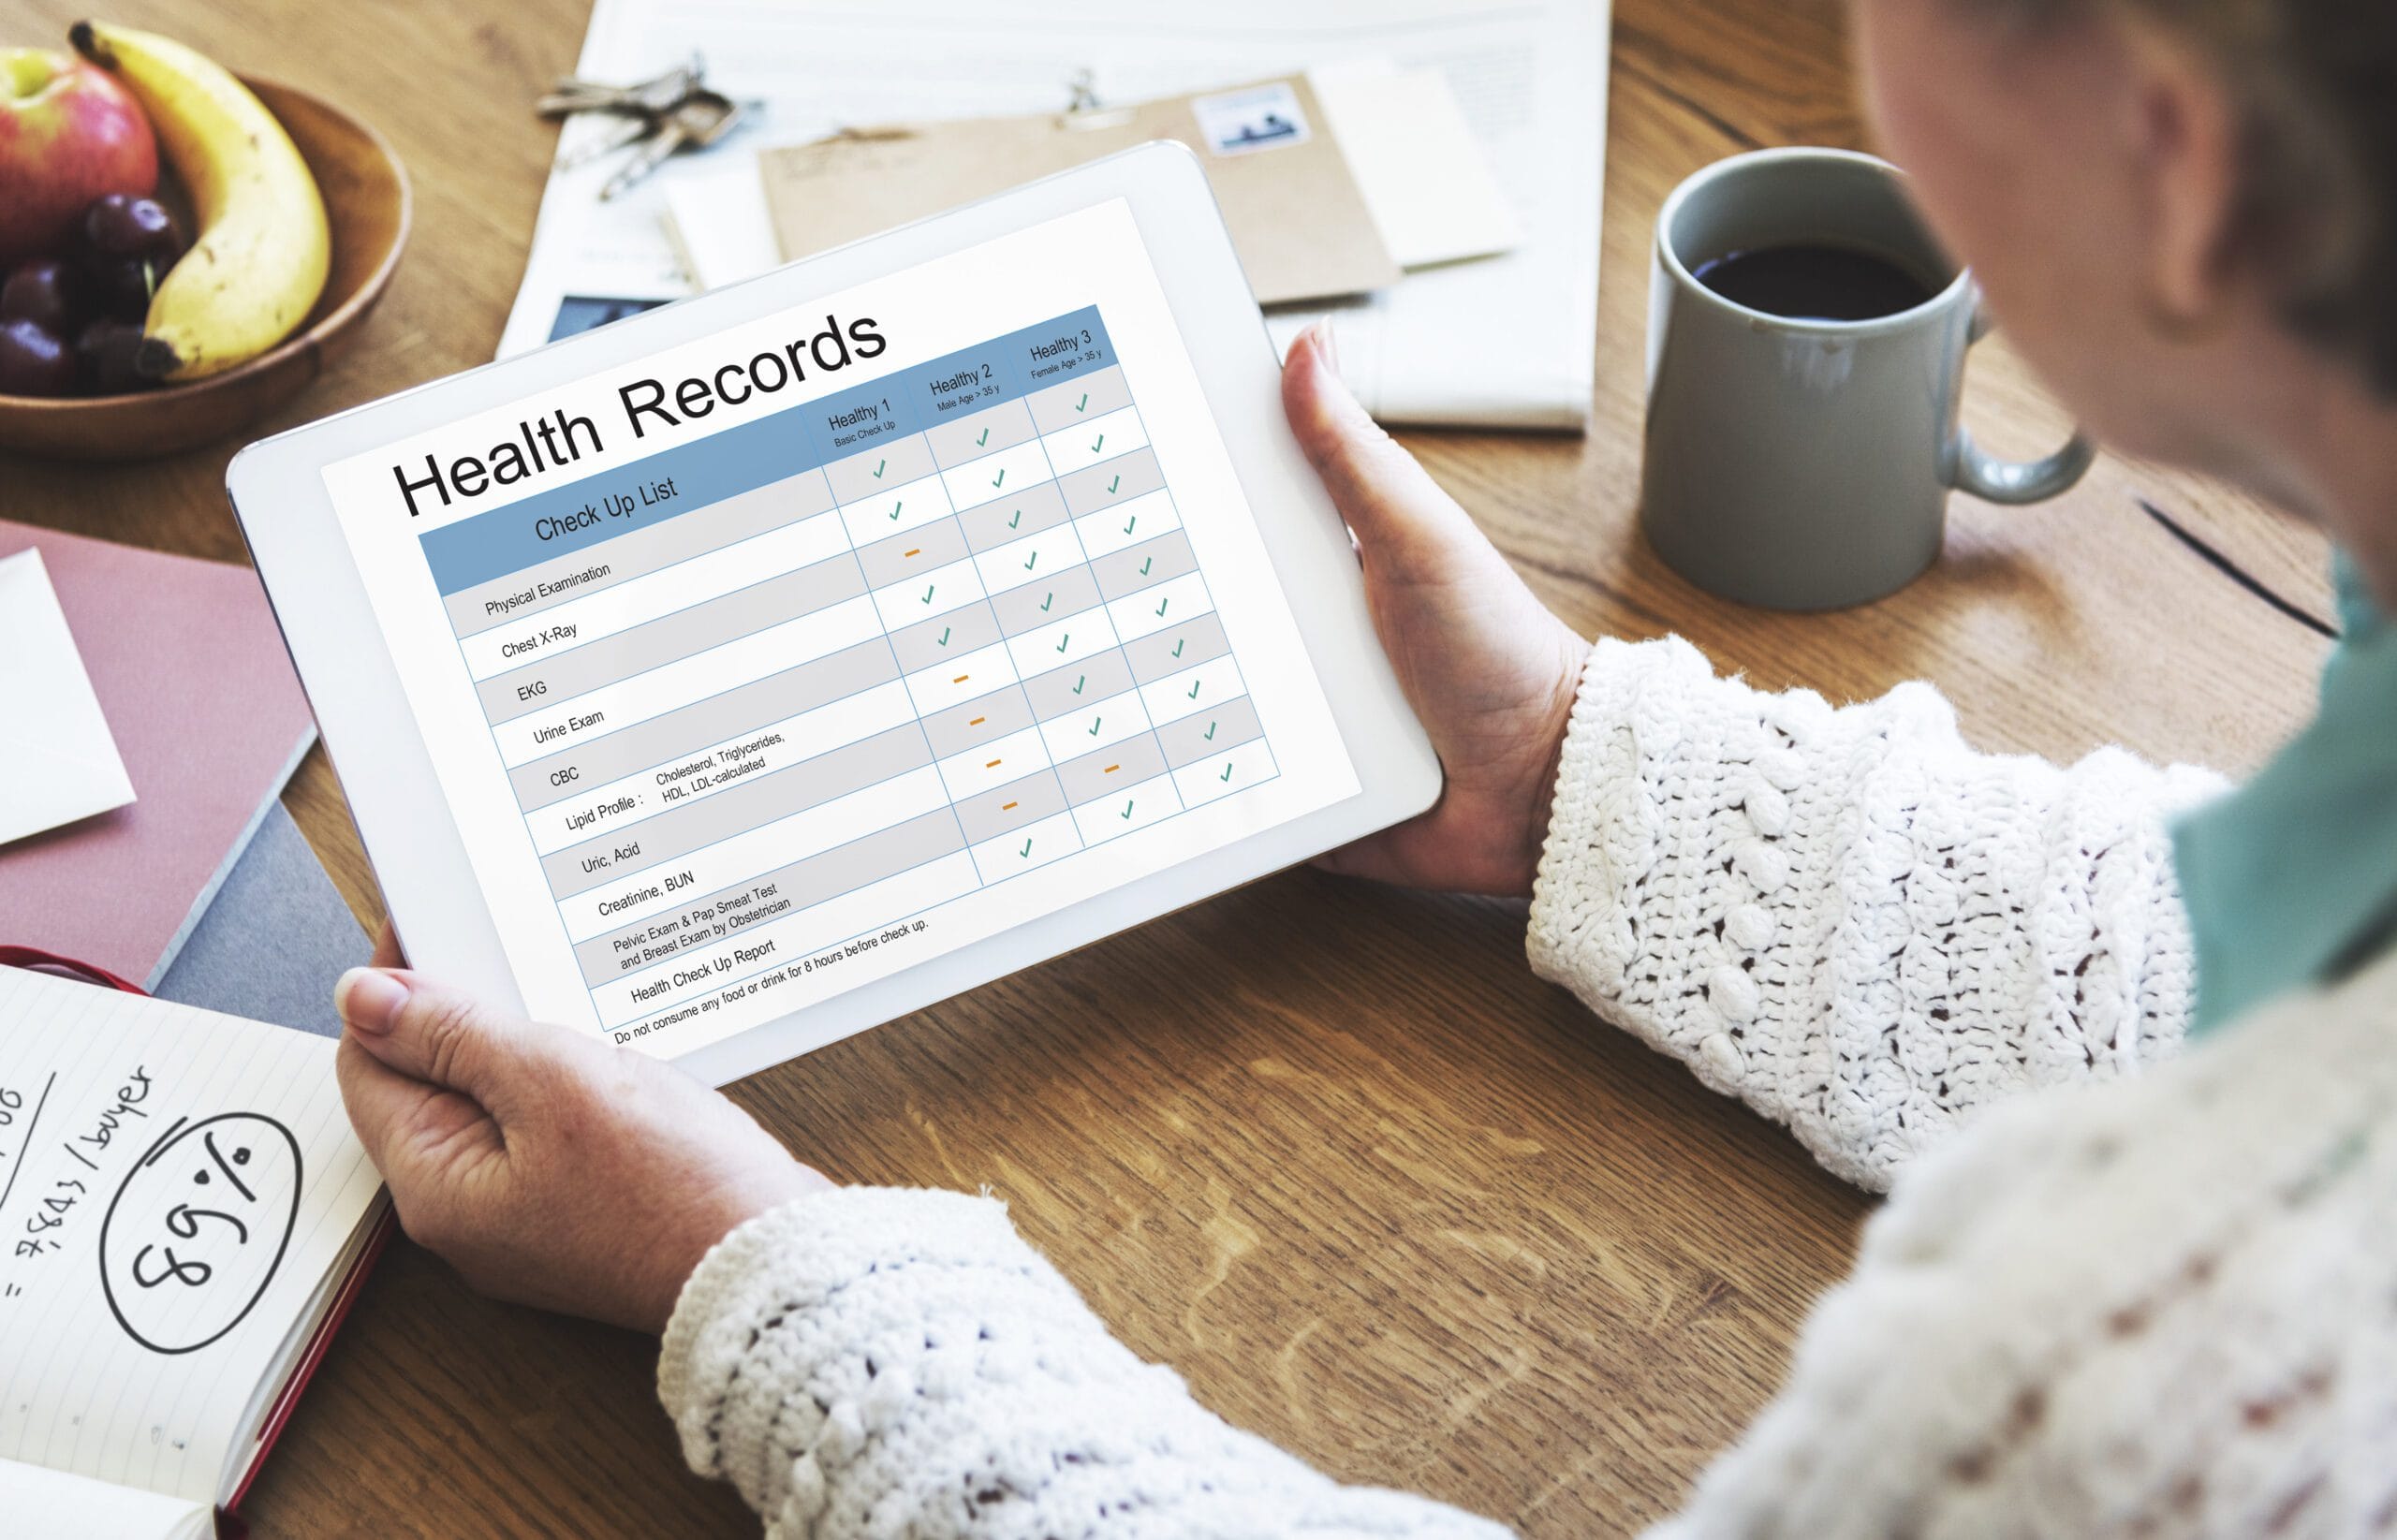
x=44 y=291
x=33 y=362
x=125 y=286
x=105 y=352
x=119 y=225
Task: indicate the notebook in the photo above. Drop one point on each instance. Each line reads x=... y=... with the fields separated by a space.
x=198 y=692
x=185 y=1214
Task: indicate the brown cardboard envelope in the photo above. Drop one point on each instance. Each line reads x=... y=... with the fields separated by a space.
x=1295 y=216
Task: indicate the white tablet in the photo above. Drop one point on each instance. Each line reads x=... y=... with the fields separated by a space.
x=761 y=668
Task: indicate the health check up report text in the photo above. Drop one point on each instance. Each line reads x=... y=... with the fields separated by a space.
x=796 y=654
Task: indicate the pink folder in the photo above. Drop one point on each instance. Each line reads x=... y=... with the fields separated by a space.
x=198 y=692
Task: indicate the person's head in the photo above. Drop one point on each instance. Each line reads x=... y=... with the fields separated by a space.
x=2183 y=212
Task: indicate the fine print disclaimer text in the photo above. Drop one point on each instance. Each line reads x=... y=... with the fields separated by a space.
x=732 y=994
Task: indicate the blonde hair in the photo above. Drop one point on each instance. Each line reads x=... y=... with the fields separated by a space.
x=2316 y=86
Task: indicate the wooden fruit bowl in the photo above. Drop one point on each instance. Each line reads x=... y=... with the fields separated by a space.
x=367 y=208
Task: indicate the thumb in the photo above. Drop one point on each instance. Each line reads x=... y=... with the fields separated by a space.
x=1390 y=500
x=414 y=1132
x=455 y=1042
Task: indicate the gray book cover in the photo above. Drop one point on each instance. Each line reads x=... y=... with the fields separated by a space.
x=272 y=939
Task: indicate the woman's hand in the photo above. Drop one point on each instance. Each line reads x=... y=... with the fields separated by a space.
x=1487 y=668
x=548 y=1168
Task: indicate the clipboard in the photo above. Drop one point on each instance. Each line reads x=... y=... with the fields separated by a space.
x=1297 y=216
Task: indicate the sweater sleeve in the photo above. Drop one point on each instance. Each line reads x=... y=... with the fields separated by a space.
x=1847 y=917
x=880 y=1361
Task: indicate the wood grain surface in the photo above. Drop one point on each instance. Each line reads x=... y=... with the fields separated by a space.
x=1327 y=1148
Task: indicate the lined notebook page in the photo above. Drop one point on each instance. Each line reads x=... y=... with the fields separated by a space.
x=174 y=1184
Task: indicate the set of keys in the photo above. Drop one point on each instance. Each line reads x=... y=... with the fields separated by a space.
x=661 y=116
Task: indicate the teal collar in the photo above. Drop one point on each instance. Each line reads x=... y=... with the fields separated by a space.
x=2292 y=879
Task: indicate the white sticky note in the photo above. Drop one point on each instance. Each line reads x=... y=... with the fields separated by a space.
x=58 y=761
x=1423 y=172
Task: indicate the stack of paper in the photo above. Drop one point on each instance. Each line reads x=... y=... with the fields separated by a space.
x=1505 y=341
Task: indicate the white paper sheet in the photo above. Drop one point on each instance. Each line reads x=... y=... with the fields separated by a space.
x=717 y=218
x=1417 y=161
x=1504 y=342
x=37 y=1502
x=58 y=761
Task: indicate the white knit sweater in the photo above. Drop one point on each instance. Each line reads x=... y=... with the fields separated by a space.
x=2163 y=1306
x=1848 y=918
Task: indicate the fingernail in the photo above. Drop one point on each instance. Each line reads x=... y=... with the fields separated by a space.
x=1329 y=341
x=369 y=999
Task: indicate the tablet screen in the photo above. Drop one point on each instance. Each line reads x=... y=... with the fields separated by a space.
x=804 y=651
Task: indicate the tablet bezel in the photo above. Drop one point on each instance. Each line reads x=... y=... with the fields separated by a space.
x=280 y=499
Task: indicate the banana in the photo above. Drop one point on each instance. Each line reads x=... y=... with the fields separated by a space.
x=263 y=249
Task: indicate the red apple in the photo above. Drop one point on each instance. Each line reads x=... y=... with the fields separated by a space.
x=68 y=134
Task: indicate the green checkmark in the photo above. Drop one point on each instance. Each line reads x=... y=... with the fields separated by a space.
x=1194 y=688
x=1080 y=680
x=878 y=467
x=1093 y=724
x=896 y=507
x=1102 y=438
x=1029 y=560
x=1117 y=482
x=944 y=633
x=984 y=439
x=1026 y=851
x=1180 y=645
x=1129 y=522
x=1018 y=518
x=928 y=596
x=1161 y=604
x=1084 y=402
x=997 y=480
x=1228 y=772
x=1050 y=600
x=1061 y=647
x=1210 y=734
x=1146 y=564
x=1128 y=809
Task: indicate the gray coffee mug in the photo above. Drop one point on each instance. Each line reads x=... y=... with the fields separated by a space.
x=1805 y=465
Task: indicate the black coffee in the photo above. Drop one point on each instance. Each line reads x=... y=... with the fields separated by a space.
x=1814 y=282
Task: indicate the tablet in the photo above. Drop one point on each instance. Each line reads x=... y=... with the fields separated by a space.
x=758 y=668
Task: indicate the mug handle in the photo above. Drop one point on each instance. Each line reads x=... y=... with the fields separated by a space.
x=1976 y=471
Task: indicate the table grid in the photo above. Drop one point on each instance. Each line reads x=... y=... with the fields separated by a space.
x=965 y=638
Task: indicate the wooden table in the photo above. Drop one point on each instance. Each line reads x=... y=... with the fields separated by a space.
x=1328 y=1148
